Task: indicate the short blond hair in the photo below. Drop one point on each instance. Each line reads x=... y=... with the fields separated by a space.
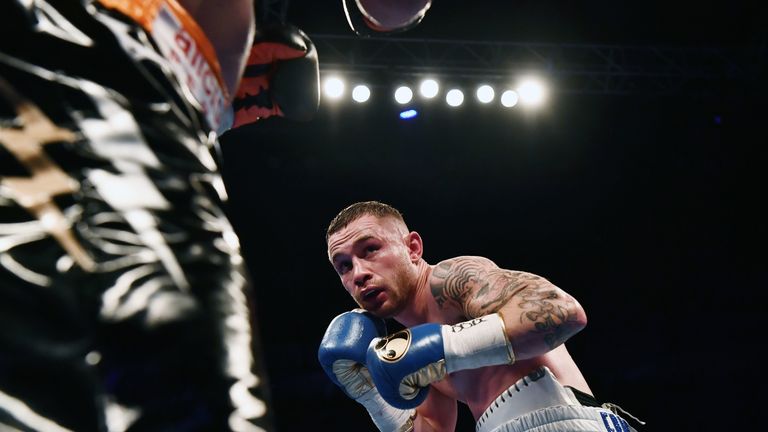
x=358 y=210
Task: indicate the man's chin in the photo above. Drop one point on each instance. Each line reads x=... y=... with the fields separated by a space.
x=386 y=310
x=379 y=312
x=383 y=310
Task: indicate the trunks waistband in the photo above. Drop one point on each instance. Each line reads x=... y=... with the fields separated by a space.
x=535 y=391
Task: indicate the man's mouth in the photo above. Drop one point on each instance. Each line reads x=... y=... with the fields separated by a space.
x=370 y=293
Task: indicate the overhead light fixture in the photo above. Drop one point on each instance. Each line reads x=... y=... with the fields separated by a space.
x=509 y=98
x=532 y=92
x=485 y=93
x=454 y=97
x=333 y=87
x=403 y=95
x=429 y=88
x=361 y=93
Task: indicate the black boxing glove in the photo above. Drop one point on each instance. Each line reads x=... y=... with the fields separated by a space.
x=281 y=77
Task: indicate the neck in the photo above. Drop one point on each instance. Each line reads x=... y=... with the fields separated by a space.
x=421 y=303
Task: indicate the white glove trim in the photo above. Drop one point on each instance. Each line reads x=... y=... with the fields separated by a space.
x=476 y=343
x=386 y=417
x=353 y=376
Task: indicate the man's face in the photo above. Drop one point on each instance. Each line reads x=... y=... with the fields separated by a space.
x=372 y=259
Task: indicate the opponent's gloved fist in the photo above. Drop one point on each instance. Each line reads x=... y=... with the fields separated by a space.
x=404 y=364
x=281 y=77
x=383 y=17
x=342 y=355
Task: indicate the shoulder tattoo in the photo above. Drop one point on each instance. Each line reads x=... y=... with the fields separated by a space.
x=455 y=281
x=451 y=279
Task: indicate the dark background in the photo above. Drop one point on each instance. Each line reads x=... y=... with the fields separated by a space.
x=646 y=208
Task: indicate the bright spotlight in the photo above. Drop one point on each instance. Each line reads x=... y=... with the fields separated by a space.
x=408 y=114
x=509 y=98
x=485 y=93
x=454 y=97
x=429 y=88
x=361 y=93
x=403 y=95
x=532 y=92
x=334 y=88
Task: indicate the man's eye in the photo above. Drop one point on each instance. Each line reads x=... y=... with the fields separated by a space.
x=371 y=249
x=343 y=268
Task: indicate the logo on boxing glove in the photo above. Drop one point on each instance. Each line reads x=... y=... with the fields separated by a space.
x=393 y=347
x=455 y=328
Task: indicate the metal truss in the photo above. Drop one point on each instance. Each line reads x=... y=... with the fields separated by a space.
x=269 y=11
x=574 y=68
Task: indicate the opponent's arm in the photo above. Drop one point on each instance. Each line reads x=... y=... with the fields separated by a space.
x=231 y=38
x=538 y=316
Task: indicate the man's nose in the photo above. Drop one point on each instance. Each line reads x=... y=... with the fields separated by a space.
x=362 y=274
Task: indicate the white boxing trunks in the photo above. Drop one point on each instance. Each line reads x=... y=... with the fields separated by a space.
x=538 y=403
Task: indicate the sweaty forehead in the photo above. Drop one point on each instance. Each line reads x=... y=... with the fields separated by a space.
x=365 y=227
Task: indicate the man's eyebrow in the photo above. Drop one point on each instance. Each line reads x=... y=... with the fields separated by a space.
x=354 y=243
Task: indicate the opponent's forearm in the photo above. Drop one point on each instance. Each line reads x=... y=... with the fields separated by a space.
x=229 y=26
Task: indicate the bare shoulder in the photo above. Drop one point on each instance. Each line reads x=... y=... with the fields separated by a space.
x=452 y=280
x=477 y=286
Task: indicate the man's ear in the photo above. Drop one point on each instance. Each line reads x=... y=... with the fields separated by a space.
x=415 y=246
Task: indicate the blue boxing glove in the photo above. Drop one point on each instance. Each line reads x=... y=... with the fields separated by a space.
x=404 y=364
x=342 y=355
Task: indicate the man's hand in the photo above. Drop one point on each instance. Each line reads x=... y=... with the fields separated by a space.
x=342 y=355
x=404 y=364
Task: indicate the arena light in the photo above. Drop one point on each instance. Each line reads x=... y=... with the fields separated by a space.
x=408 y=114
x=454 y=97
x=333 y=87
x=509 y=98
x=429 y=88
x=403 y=95
x=485 y=93
x=361 y=93
x=532 y=92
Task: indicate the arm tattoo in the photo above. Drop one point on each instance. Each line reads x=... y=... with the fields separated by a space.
x=478 y=287
x=499 y=287
x=549 y=311
x=475 y=284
